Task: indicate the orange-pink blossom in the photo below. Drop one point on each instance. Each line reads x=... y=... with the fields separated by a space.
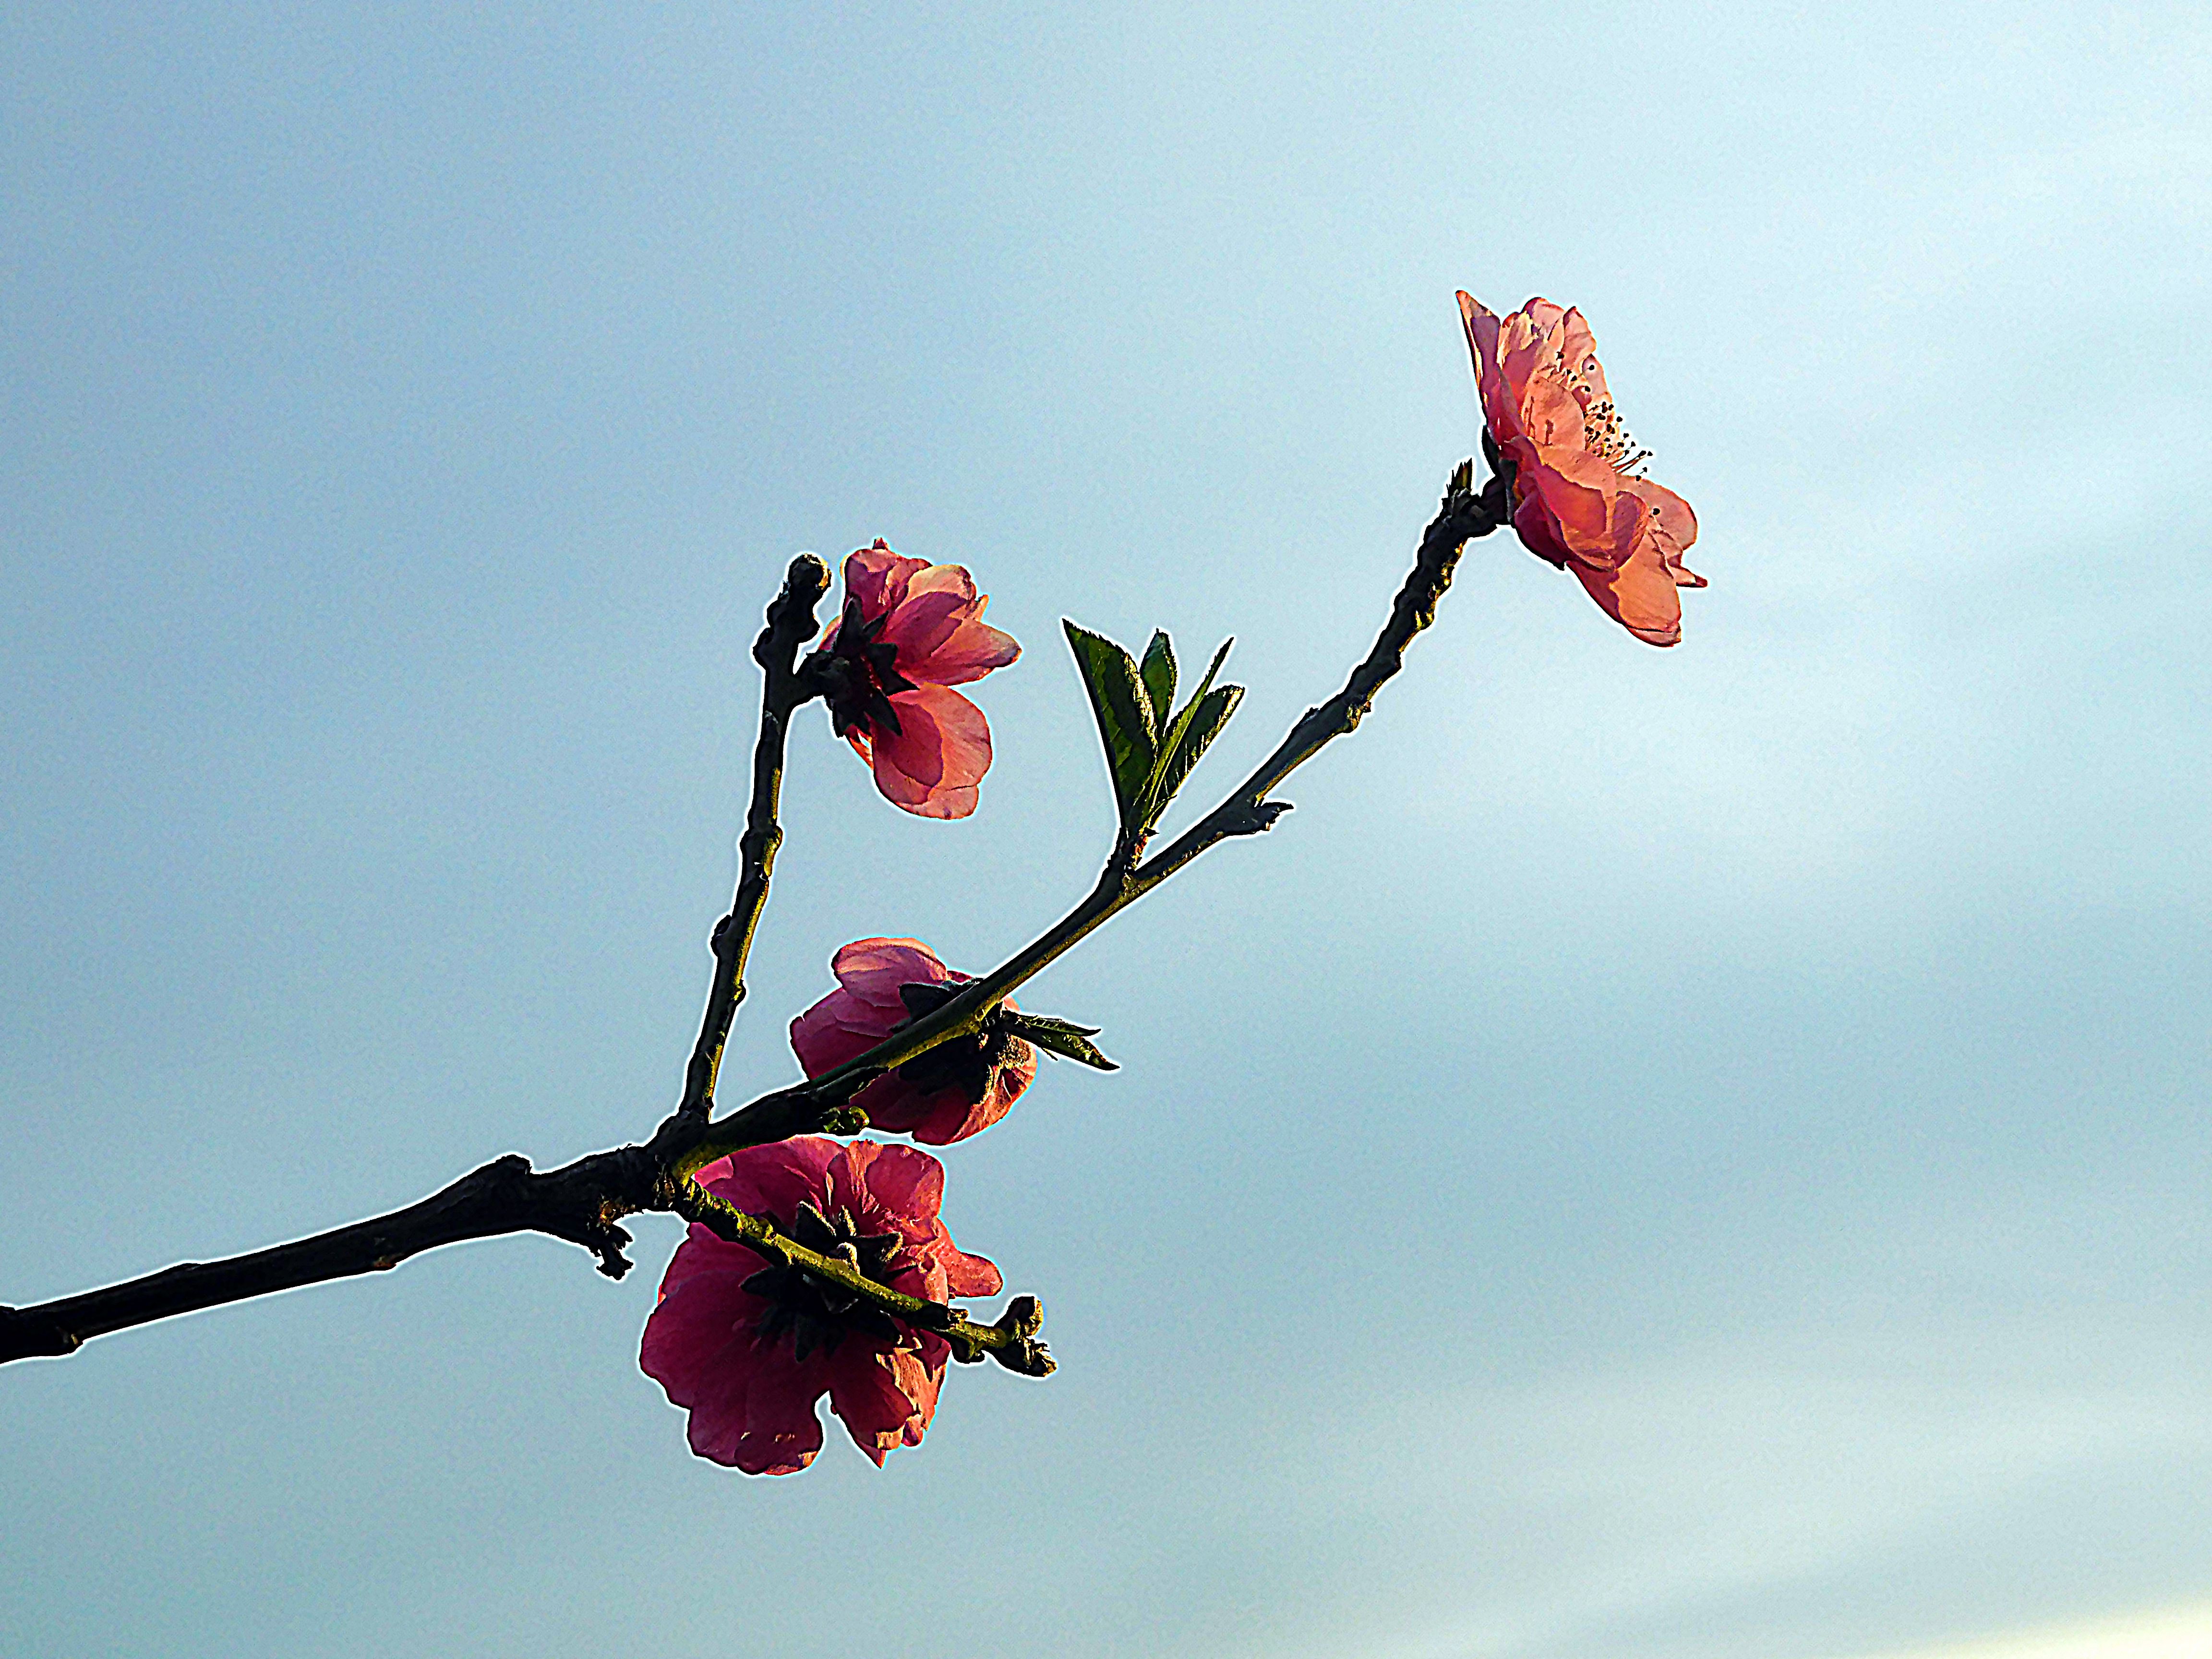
x=909 y=632
x=1578 y=498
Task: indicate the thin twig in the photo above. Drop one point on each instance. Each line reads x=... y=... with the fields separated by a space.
x=790 y=624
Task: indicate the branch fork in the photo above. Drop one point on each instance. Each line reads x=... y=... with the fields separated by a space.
x=585 y=1201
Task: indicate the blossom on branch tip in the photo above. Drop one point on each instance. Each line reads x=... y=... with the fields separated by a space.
x=1579 y=497
x=909 y=631
x=953 y=1091
x=747 y=1346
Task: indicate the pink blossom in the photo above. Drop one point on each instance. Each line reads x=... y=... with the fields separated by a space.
x=748 y=1347
x=1578 y=500
x=954 y=1090
x=910 y=630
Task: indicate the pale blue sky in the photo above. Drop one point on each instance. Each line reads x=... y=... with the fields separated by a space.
x=1662 y=1155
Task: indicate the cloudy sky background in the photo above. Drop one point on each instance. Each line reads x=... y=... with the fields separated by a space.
x=1663 y=1155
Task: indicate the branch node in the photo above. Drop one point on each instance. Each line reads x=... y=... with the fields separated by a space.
x=1254 y=817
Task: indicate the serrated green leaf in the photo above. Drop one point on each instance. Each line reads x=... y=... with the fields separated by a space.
x=1158 y=791
x=1159 y=677
x=1123 y=708
x=1209 y=715
x=1060 y=1036
x=1181 y=722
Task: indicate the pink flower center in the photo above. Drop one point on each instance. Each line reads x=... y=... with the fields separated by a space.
x=817 y=1311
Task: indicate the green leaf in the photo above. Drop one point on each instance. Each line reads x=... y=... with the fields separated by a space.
x=1159 y=787
x=1060 y=1036
x=1159 y=676
x=1209 y=715
x=1181 y=723
x=1124 y=710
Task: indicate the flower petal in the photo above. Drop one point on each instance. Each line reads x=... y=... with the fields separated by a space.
x=783 y=1431
x=932 y=765
x=1676 y=525
x=966 y=1274
x=771 y=1180
x=1639 y=594
x=919 y=1374
x=952 y=1116
x=911 y=1184
x=1499 y=411
x=865 y=1392
x=939 y=599
x=968 y=650
x=1579 y=494
x=873 y=969
x=877 y=578
x=839 y=1027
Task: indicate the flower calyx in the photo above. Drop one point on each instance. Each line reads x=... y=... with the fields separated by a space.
x=971 y=1063
x=818 y=1312
x=857 y=673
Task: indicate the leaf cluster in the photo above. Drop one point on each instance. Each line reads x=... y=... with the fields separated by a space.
x=1150 y=745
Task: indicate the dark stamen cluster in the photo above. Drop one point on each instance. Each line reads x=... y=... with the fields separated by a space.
x=818 y=1311
x=969 y=1064
x=860 y=671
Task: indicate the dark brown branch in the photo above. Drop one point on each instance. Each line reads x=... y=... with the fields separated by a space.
x=581 y=1202
x=584 y=1202
x=790 y=624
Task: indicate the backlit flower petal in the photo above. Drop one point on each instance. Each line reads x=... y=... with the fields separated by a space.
x=932 y=764
x=1579 y=500
x=730 y=1357
x=873 y=969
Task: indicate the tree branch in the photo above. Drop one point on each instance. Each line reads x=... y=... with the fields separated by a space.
x=580 y=1202
x=790 y=624
x=584 y=1202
